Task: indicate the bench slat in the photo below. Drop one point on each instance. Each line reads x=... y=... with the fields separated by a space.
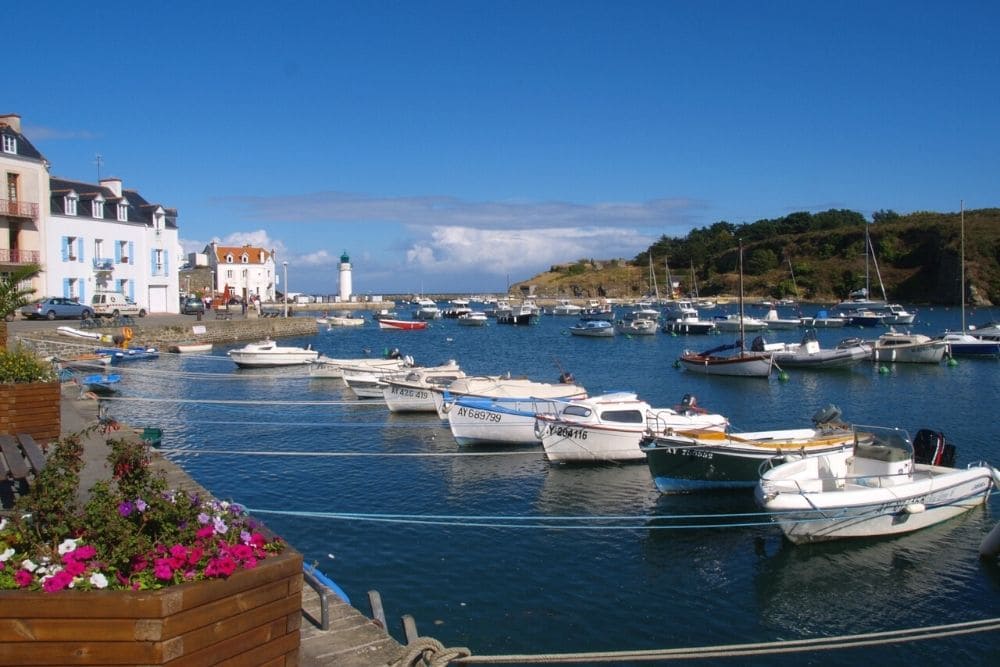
x=15 y=462
x=32 y=451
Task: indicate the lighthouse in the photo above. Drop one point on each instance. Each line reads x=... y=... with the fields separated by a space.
x=345 y=277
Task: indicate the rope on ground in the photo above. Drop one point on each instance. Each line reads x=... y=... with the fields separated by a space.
x=744 y=650
x=429 y=652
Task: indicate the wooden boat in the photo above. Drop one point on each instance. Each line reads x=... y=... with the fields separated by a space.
x=593 y=329
x=610 y=427
x=872 y=489
x=403 y=325
x=268 y=354
x=695 y=460
x=190 y=347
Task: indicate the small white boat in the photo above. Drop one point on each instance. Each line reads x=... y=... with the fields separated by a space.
x=893 y=313
x=773 y=321
x=329 y=367
x=593 y=329
x=267 y=353
x=415 y=390
x=742 y=364
x=733 y=323
x=493 y=386
x=823 y=320
x=190 y=347
x=346 y=320
x=567 y=308
x=473 y=318
x=967 y=345
x=85 y=361
x=687 y=324
x=427 y=310
x=77 y=333
x=911 y=348
x=476 y=419
x=610 y=427
x=873 y=489
x=809 y=354
x=637 y=326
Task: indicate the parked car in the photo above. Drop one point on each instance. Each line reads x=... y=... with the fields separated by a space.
x=113 y=304
x=56 y=307
x=193 y=306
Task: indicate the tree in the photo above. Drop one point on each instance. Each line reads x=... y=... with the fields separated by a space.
x=14 y=294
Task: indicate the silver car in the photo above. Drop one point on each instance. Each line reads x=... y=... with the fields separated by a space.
x=57 y=307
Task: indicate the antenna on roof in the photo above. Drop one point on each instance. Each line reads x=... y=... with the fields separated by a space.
x=98 y=160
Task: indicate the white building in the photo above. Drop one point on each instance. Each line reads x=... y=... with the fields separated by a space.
x=25 y=174
x=101 y=238
x=86 y=237
x=245 y=271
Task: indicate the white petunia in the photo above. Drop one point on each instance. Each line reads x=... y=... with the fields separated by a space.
x=98 y=580
x=28 y=565
x=6 y=554
x=67 y=545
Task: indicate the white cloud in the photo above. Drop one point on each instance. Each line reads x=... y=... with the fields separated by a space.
x=458 y=249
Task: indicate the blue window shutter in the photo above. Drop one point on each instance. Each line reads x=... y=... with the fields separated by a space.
x=131 y=252
x=152 y=262
x=118 y=253
x=65 y=288
x=65 y=248
x=131 y=289
x=79 y=248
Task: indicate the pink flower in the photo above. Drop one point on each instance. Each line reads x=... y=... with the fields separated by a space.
x=162 y=569
x=205 y=531
x=23 y=578
x=57 y=582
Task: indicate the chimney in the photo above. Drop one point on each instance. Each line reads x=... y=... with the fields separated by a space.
x=113 y=184
x=13 y=120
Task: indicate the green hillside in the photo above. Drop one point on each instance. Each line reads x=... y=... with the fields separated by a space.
x=917 y=256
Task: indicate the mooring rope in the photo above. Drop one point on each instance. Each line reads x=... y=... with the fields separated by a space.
x=733 y=650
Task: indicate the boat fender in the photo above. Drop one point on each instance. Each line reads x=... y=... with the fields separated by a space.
x=408 y=360
x=915 y=508
x=990 y=546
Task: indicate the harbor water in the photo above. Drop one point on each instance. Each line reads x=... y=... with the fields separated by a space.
x=495 y=549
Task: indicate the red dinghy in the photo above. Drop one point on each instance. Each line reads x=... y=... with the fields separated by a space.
x=401 y=324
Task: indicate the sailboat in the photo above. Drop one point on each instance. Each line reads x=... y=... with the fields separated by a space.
x=744 y=364
x=962 y=343
x=863 y=311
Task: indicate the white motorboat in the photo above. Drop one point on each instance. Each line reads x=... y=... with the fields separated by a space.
x=329 y=367
x=680 y=322
x=823 y=320
x=565 y=307
x=610 y=427
x=190 y=347
x=735 y=323
x=415 y=390
x=494 y=386
x=773 y=321
x=427 y=310
x=476 y=419
x=893 y=313
x=267 y=353
x=912 y=348
x=346 y=320
x=872 y=489
x=593 y=329
x=473 y=318
x=967 y=345
x=809 y=354
x=637 y=326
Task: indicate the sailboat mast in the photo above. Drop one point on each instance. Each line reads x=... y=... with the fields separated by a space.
x=742 y=332
x=694 y=280
x=670 y=280
x=961 y=207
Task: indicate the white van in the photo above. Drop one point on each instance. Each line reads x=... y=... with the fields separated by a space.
x=113 y=304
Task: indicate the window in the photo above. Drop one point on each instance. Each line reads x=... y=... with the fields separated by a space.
x=229 y=274
x=70 y=204
x=97 y=209
x=245 y=258
x=229 y=259
x=122 y=211
x=70 y=253
x=159 y=262
x=123 y=252
x=12 y=187
x=98 y=247
x=9 y=144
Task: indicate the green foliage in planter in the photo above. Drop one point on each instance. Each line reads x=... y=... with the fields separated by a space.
x=133 y=532
x=21 y=366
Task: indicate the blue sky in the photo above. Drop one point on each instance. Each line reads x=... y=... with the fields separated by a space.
x=453 y=146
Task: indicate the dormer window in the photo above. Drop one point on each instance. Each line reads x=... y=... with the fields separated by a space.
x=229 y=259
x=123 y=211
x=10 y=144
x=245 y=258
x=70 y=203
x=97 y=209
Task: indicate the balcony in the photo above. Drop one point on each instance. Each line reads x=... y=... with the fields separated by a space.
x=18 y=209
x=16 y=256
x=101 y=264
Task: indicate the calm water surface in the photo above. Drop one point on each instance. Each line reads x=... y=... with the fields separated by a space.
x=499 y=551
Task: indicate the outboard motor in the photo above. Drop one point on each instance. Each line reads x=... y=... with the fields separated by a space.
x=566 y=378
x=758 y=344
x=931 y=447
x=393 y=354
x=828 y=415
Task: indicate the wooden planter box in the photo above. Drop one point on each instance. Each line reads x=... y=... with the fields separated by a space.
x=251 y=618
x=31 y=408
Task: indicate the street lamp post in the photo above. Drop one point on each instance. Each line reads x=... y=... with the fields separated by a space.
x=284 y=291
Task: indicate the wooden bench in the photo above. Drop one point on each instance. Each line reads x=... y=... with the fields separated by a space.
x=21 y=459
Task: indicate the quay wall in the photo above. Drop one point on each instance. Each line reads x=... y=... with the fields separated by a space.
x=51 y=343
